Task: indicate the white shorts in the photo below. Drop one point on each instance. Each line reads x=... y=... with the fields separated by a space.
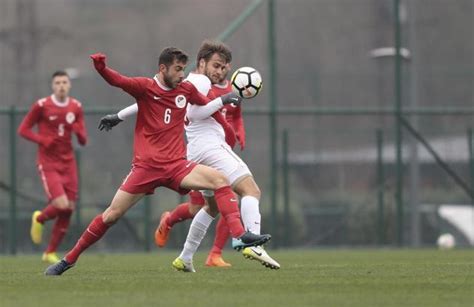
x=222 y=158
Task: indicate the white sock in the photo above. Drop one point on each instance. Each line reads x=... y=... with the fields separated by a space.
x=250 y=212
x=196 y=233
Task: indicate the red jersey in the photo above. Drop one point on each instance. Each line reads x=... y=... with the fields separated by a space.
x=232 y=113
x=56 y=122
x=159 y=129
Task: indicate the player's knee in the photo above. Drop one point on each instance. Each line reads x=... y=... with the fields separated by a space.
x=211 y=210
x=193 y=209
x=61 y=203
x=249 y=188
x=255 y=192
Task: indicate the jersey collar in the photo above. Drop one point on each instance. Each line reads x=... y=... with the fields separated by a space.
x=59 y=103
x=164 y=87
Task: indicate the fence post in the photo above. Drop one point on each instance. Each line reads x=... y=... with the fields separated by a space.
x=147 y=222
x=272 y=72
x=398 y=123
x=470 y=141
x=13 y=208
x=380 y=189
x=286 y=187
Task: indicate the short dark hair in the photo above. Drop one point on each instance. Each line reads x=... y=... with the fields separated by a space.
x=170 y=54
x=59 y=73
x=209 y=47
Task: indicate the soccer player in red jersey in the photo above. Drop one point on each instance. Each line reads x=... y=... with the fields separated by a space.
x=57 y=117
x=159 y=151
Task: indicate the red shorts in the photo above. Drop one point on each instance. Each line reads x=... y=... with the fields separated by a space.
x=196 y=198
x=59 y=179
x=145 y=179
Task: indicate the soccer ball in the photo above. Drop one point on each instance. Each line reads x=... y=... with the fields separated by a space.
x=446 y=241
x=246 y=82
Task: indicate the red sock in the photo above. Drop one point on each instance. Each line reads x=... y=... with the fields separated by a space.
x=92 y=234
x=222 y=234
x=59 y=229
x=229 y=208
x=179 y=214
x=48 y=213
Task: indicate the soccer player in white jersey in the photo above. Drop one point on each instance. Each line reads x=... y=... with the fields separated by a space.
x=207 y=145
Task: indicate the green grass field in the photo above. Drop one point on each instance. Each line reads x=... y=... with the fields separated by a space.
x=307 y=278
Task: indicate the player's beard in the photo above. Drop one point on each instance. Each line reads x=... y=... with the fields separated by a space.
x=169 y=81
x=209 y=75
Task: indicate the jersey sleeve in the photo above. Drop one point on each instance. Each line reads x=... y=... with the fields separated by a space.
x=79 y=127
x=135 y=86
x=32 y=118
x=196 y=97
x=201 y=83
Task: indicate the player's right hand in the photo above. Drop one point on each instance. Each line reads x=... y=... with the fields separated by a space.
x=109 y=121
x=47 y=141
x=99 y=60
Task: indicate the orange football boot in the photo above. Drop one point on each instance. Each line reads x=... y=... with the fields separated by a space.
x=163 y=230
x=216 y=260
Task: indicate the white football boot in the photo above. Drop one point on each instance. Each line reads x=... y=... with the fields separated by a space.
x=258 y=253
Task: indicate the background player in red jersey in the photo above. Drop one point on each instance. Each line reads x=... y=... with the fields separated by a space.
x=57 y=117
x=159 y=152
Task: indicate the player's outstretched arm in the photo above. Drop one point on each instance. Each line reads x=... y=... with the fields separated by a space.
x=132 y=86
x=109 y=121
x=200 y=112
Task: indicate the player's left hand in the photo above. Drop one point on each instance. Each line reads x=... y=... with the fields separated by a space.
x=108 y=122
x=231 y=98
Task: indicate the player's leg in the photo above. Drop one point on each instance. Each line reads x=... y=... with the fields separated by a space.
x=203 y=177
x=121 y=203
x=65 y=206
x=196 y=233
x=249 y=191
x=61 y=225
x=54 y=189
x=181 y=213
x=206 y=178
x=215 y=255
x=223 y=159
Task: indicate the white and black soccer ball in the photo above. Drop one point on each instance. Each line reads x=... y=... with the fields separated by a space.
x=446 y=241
x=246 y=82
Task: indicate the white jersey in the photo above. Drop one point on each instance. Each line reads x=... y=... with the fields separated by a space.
x=206 y=131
